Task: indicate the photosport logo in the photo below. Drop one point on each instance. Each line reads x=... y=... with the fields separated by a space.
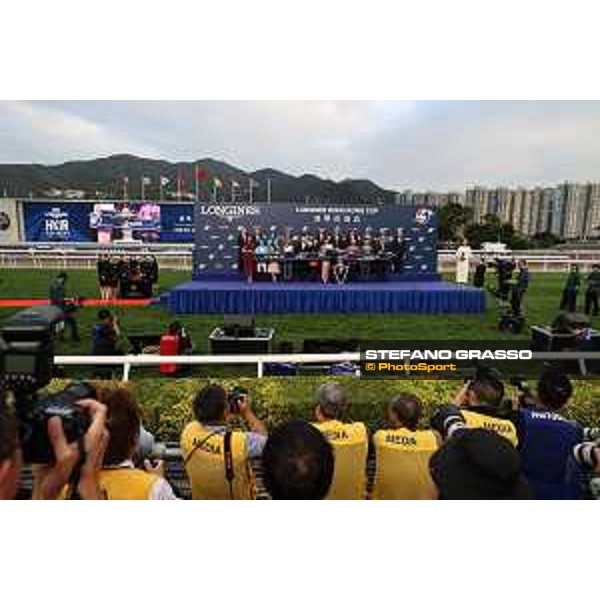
x=446 y=359
x=229 y=211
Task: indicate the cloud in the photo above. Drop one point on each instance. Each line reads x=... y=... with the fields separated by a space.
x=422 y=145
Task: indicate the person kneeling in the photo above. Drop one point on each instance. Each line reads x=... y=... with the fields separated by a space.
x=217 y=459
x=402 y=453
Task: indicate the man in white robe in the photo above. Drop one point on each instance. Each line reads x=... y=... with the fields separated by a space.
x=463 y=256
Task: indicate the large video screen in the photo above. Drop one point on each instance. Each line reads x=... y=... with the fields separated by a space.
x=108 y=222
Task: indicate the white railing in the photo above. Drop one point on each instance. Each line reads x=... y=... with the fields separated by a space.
x=132 y=360
x=136 y=360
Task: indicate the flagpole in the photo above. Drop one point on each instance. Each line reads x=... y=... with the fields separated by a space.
x=269 y=190
x=197 y=185
x=143 y=189
x=232 y=191
x=178 y=184
x=250 y=189
x=214 y=190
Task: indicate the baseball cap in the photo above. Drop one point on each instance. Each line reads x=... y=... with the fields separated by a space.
x=478 y=464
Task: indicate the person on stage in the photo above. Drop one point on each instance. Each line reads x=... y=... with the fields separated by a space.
x=327 y=253
x=248 y=249
x=463 y=256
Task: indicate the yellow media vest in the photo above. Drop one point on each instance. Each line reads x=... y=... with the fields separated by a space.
x=206 y=468
x=126 y=484
x=350 y=446
x=501 y=426
x=402 y=464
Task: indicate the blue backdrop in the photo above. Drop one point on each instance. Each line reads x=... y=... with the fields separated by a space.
x=218 y=225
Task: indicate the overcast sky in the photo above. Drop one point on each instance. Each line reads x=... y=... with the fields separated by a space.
x=398 y=144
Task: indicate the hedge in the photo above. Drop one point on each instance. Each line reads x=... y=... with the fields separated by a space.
x=166 y=404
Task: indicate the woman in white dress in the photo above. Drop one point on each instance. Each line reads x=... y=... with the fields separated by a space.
x=463 y=256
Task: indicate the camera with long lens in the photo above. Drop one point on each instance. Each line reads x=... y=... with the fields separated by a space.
x=26 y=366
x=233 y=398
x=525 y=393
x=586 y=455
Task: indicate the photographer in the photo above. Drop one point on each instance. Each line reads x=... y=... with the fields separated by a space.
x=402 y=453
x=50 y=480
x=349 y=441
x=591 y=293
x=119 y=478
x=479 y=402
x=520 y=287
x=105 y=337
x=546 y=440
x=297 y=462
x=477 y=464
x=58 y=298
x=568 y=301
x=216 y=458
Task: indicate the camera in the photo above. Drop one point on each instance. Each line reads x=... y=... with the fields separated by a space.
x=481 y=372
x=27 y=349
x=233 y=398
x=26 y=366
x=526 y=395
x=34 y=414
x=504 y=270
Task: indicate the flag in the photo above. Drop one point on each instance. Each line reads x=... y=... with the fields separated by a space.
x=253 y=183
x=164 y=180
x=217 y=182
x=234 y=184
x=201 y=174
x=146 y=181
x=125 y=180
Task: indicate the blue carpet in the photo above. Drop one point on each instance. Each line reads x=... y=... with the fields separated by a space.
x=231 y=297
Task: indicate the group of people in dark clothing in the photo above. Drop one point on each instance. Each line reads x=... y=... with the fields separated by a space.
x=123 y=276
x=573 y=285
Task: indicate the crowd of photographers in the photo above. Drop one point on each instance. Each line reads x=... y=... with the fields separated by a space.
x=477 y=446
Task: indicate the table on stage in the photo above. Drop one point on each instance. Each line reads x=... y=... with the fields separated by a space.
x=305 y=265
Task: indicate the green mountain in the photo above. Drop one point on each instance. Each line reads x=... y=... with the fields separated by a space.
x=103 y=177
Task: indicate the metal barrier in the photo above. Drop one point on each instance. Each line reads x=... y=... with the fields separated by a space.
x=131 y=360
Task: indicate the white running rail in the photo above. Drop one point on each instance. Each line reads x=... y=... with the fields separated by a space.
x=136 y=360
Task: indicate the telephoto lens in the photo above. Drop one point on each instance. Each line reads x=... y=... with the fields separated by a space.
x=586 y=455
x=447 y=419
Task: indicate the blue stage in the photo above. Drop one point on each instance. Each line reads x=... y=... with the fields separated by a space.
x=239 y=297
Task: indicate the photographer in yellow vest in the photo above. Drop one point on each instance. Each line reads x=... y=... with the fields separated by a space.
x=480 y=402
x=402 y=453
x=119 y=477
x=349 y=441
x=216 y=458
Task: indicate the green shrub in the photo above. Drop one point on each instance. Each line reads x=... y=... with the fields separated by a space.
x=167 y=404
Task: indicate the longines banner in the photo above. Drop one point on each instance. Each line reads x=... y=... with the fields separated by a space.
x=87 y=221
x=218 y=226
